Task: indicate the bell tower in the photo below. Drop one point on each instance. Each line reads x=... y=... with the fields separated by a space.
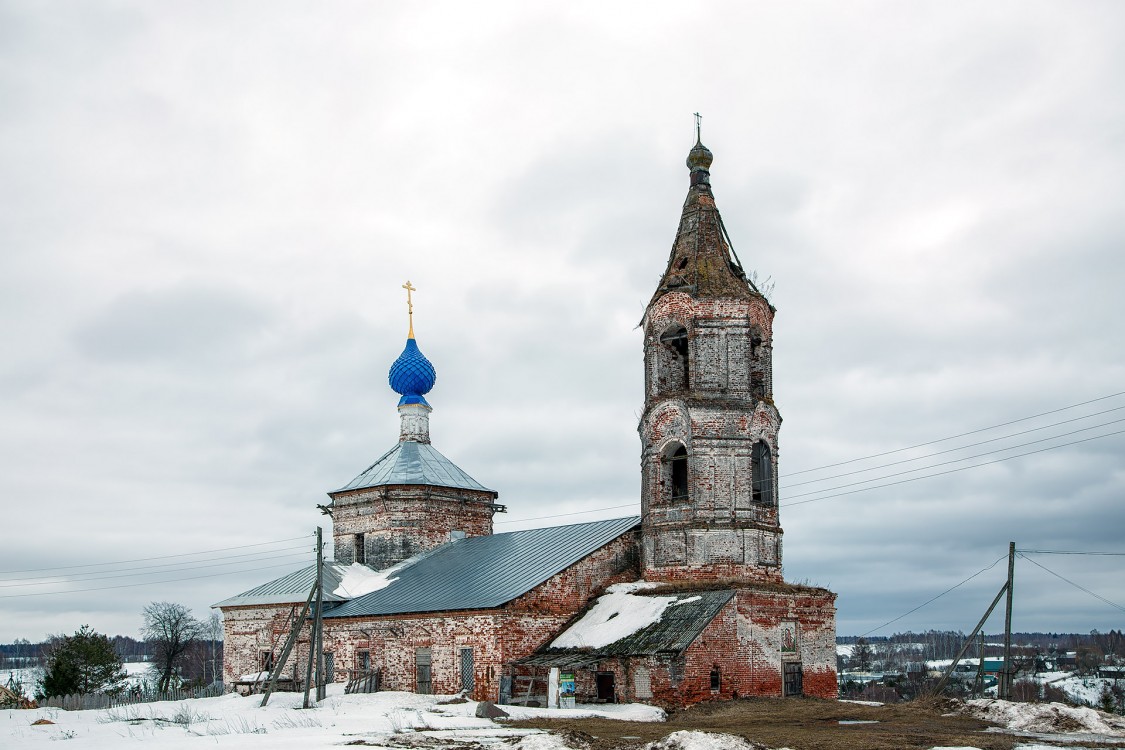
x=709 y=428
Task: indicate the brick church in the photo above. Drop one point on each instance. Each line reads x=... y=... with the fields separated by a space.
x=684 y=603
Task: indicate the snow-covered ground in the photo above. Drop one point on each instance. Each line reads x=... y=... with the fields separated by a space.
x=234 y=721
x=397 y=720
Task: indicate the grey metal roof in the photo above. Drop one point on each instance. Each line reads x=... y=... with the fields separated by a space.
x=414 y=463
x=294 y=587
x=486 y=571
x=679 y=625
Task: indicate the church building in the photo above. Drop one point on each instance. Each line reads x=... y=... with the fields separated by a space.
x=684 y=603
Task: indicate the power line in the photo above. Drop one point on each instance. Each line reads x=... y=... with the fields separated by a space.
x=942 y=473
x=95 y=573
x=575 y=513
x=963 y=434
x=1067 y=552
x=161 y=557
x=60 y=579
x=1099 y=597
x=146 y=583
x=966 y=458
x=971 y=445
x=931 y=601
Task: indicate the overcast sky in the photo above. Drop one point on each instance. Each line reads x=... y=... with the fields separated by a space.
x=207 y=211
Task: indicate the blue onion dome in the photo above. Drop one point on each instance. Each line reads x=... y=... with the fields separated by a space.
x=412 y=375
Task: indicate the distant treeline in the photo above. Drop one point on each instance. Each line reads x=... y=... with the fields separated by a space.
x=24 y=653
x=944 y=644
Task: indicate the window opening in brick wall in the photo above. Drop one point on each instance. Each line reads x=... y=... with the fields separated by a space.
x=423 y=677
x=642 y=684
x=793 y=678
x=676 y=475
x=265 y=661
x=761 y=473
x=360 y=549
x=467 y=669
x=676 y=339
x=716 y=679
x=329 y=667
x=363 y=661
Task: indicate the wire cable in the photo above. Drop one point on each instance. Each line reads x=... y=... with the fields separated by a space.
x=970 y=445
x=259 y=555
x=931 y=601
x=146 y=583
x=1067 y=552
x=959 y=460
x=1099 y=597
x=65 y=579
x=161 y=557
x=963 y=434
x=942 y=473
x=575 y=513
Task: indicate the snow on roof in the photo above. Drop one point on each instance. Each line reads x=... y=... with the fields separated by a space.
x=615 y=615
x=358 y=579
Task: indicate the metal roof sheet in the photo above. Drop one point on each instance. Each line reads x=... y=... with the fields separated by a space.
x=486 y=571
x=679 y=625
x=293 y=587
x=410 y=462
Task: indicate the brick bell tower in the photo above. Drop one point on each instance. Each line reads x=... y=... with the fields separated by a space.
x=709 y=427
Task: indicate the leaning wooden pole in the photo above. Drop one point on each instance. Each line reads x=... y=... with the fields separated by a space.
x=969 y=641
x=294 y=632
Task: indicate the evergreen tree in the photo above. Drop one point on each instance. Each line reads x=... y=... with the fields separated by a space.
x=85 y=662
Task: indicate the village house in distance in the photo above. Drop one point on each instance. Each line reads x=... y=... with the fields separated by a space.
x=682 y=604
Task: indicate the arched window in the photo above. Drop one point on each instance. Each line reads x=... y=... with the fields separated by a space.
x=675 y=472
x=676 y=340
x=761 y=470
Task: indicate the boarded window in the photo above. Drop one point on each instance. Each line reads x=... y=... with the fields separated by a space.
x=423 y=677
x=467 y=669
x=642 y=684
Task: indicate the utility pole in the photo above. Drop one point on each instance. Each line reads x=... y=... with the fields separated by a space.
x=1006 y=683
x=320 y=686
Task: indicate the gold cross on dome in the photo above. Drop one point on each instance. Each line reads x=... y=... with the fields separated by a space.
x=410 y=305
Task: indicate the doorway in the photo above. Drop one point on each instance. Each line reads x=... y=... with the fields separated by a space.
x=604 y=681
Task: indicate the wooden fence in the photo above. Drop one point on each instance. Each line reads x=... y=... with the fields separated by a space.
x=79 y=702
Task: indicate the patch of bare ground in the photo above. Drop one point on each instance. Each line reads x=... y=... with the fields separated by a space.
x=801 y=724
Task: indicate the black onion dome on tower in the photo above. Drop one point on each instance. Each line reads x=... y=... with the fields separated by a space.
x=702 y=262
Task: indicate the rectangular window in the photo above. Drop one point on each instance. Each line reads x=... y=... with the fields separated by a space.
x=265 y=661
x=467 y=670
x=363 y=662
x=329 y=667
x=423 y=677
x=716 y=680
x=360 y=549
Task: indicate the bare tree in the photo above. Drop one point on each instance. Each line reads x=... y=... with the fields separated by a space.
x=169 y=628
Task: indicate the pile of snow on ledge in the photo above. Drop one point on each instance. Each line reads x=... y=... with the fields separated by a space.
x=359 y=580
x=1046 y=718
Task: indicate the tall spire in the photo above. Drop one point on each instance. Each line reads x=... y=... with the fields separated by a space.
x=702 y=262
